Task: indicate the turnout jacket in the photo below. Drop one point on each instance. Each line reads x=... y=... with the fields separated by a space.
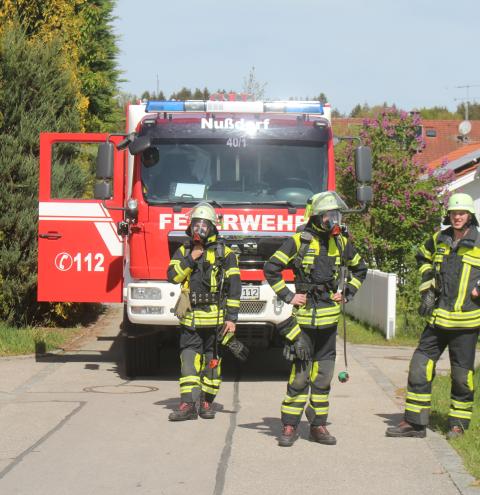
x=202 y=277
x=316 y=274
x=453 y=272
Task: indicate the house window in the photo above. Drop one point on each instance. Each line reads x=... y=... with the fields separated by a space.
x=431 y=133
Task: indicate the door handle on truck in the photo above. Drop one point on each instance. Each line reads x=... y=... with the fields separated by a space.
x=50 y=235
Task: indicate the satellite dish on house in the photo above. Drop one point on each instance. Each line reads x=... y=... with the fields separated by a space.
x=464 y=127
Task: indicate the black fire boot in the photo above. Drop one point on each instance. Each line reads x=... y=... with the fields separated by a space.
x=186 y=411
x=405 y=429
x=320 y=434
x=288 y=436
x=206 y=410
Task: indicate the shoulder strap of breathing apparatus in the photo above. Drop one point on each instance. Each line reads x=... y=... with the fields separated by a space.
x=305 y=240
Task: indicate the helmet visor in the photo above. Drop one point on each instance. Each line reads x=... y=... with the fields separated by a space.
x=331 y=219
x=201 y=229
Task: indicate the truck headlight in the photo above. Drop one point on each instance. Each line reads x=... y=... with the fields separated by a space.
x=146 y=293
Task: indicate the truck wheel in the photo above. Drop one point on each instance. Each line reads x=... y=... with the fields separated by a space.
x=140 y=348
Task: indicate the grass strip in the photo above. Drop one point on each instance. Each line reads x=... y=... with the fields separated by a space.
x=18 y=341
x=361 y=333
x=468 y=446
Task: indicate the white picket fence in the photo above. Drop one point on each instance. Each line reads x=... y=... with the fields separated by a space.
x=375 y=302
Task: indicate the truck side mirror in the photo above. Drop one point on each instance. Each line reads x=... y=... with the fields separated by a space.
x=364 y=193
x=103 y=190
x=363 y=163
x=139 y=144
x=105 y=161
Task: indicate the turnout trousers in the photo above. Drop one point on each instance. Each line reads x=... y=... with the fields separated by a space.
x=461 y=347
x=310 y=380
x=196 y=351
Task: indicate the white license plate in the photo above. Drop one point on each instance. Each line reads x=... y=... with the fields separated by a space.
x=250 y=293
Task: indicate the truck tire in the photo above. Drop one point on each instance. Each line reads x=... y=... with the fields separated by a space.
x=140 y=348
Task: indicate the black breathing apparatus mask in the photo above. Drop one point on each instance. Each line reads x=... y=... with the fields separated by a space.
x=330 y=221
x=200 y=229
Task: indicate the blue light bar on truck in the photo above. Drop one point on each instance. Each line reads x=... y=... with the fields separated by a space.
x=294 y=107
x=165 y=106
x=236 y=106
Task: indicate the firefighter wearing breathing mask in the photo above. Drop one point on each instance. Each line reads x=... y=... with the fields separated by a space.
x=209 y=301
x=449 y=264
x=316 y=256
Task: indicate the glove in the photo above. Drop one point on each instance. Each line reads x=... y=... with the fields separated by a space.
x=239 y=350
x=289 y=352
x=302 y=347
x=428 y=303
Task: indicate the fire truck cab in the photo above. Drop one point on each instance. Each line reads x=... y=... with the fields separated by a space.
x=256 y=162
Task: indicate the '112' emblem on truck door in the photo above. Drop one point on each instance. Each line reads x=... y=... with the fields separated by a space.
x=90 y=262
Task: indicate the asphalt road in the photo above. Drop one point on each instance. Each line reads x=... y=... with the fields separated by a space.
x=70 y=424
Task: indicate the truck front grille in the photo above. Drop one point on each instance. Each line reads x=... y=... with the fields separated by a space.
x=252 y=307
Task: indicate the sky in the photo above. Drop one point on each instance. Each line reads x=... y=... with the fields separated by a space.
x=411 y=53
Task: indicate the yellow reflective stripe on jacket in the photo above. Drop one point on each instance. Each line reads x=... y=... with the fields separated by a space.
x=213 y=279
x=355 y=261
x=329 y=310
x=425 y=268
x=332 y=246
x=462 y=289
x=203 y=318
x=234 y=303
x=355 y=282
x=181 y=274
x=426 y=254
x=279 y=285
x=319 y=322
x=471 y=260
x=454 y=315
x=455 y=319
x=441 y=322
x=282 y=257
x=292 y=334
x=232 y=271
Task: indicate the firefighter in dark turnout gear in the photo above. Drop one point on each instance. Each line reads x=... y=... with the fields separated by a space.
x=315 y=255
x=449 y=263
x=204 y=267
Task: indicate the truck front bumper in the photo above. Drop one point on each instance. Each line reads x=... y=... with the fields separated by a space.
x=152 y=302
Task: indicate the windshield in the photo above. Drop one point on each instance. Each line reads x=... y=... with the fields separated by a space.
x=238 y=171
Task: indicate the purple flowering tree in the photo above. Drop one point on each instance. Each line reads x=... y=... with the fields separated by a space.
x=407 y=202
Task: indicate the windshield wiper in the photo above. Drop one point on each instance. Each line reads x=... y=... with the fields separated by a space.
x=282 y=202
x=182 y=201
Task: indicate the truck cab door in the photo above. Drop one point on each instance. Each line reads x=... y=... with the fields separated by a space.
x=80 y=254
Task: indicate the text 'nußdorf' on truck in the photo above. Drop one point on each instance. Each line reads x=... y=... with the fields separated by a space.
x=256 y=162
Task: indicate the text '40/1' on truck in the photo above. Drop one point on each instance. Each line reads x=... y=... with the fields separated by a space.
x=256 y=162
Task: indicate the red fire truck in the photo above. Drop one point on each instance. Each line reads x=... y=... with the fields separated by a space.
x=256 y=162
